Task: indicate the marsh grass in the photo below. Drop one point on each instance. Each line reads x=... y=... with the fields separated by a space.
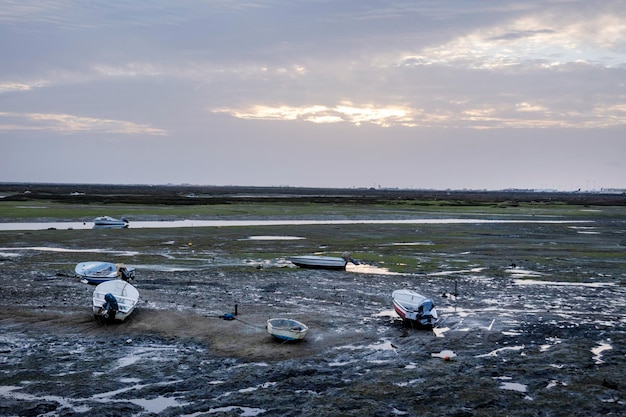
x=12 y=211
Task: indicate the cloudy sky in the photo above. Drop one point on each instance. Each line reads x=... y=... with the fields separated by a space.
x=437 y=94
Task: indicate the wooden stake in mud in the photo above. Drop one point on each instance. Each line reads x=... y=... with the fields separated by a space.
x=235 y=309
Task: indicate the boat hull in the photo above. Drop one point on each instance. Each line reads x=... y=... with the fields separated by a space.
x=415 y=308
x=97 y=272
x=319 y=262
x=107 y=222
x=286 y=329
x=126 y=297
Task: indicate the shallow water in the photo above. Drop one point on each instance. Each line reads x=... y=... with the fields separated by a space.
x=235 y=223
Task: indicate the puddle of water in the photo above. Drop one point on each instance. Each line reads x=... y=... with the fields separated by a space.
x=496 y=352
x=514 y=386
x=597 y=352
x=554 y=383
x=273 y=238
x=258 y=387
x=520 y=272
x=553 y=341
x=51 y=249
x=564 y=284
x=163 y=268
x=585 y=230
x=154 y=405
x=460 y=271
x=382 y=345
x=240 y=410
x=439 y=331
x=387 y=313
x=412 y=244
x=369 y=269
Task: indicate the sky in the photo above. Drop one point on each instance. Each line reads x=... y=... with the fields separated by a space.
x=418 y=94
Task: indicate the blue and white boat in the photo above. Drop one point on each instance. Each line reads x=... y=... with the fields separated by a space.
x=106 y=222
x=415 y=308
x=96 y=272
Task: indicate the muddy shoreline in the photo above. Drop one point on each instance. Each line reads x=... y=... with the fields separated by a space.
x=200 y=195
x=546 y=337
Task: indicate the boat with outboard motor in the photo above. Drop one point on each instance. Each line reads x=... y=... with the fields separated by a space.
x=96 y=272
x=323 y=262
x=110 y=222
x=114 y=300
x=415 y=308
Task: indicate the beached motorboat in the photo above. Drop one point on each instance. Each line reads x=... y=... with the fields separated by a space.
x=110 y=222
x=114 y=301
x=96 y=272
x=323 y=262
x=415 y=308
x=286 y=329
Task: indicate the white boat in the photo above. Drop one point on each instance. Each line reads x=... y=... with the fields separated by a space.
x=415 y=308
x=96 y=272
x=323 y=262
x=286 y=329
x=110 y=222
x=114 y=301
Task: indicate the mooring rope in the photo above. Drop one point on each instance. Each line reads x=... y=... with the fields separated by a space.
x=231 y=317
x=250 y=324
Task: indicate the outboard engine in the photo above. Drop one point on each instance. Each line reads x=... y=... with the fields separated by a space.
x=347 y=256
x=125 y=274
x=110 y=306
x=426 y=313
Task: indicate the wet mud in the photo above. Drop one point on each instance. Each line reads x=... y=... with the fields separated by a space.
x=543 y=337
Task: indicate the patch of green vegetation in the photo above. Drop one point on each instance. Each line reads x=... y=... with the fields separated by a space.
x=53 y=211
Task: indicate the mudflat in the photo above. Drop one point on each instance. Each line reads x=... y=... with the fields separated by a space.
x=531 y=304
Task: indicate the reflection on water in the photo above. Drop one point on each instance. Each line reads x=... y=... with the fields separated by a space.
x=273 y=238
x=597 y=352
x=54 y=249
x=369 y=269
x=226 y=223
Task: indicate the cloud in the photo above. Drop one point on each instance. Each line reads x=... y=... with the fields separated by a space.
x=384 y=116
x=10 y=86
x=76 y=14
x=466 y=115
x=543 y=40
x=66 y=123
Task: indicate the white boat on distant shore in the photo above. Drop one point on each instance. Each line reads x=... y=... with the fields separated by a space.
x=415 y=308
x=286 y=329
x=110 y=222
x=323 y=262
x=114 y=301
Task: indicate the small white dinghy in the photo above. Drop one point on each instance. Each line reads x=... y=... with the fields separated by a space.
x=286 y=329
x=114 y=300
